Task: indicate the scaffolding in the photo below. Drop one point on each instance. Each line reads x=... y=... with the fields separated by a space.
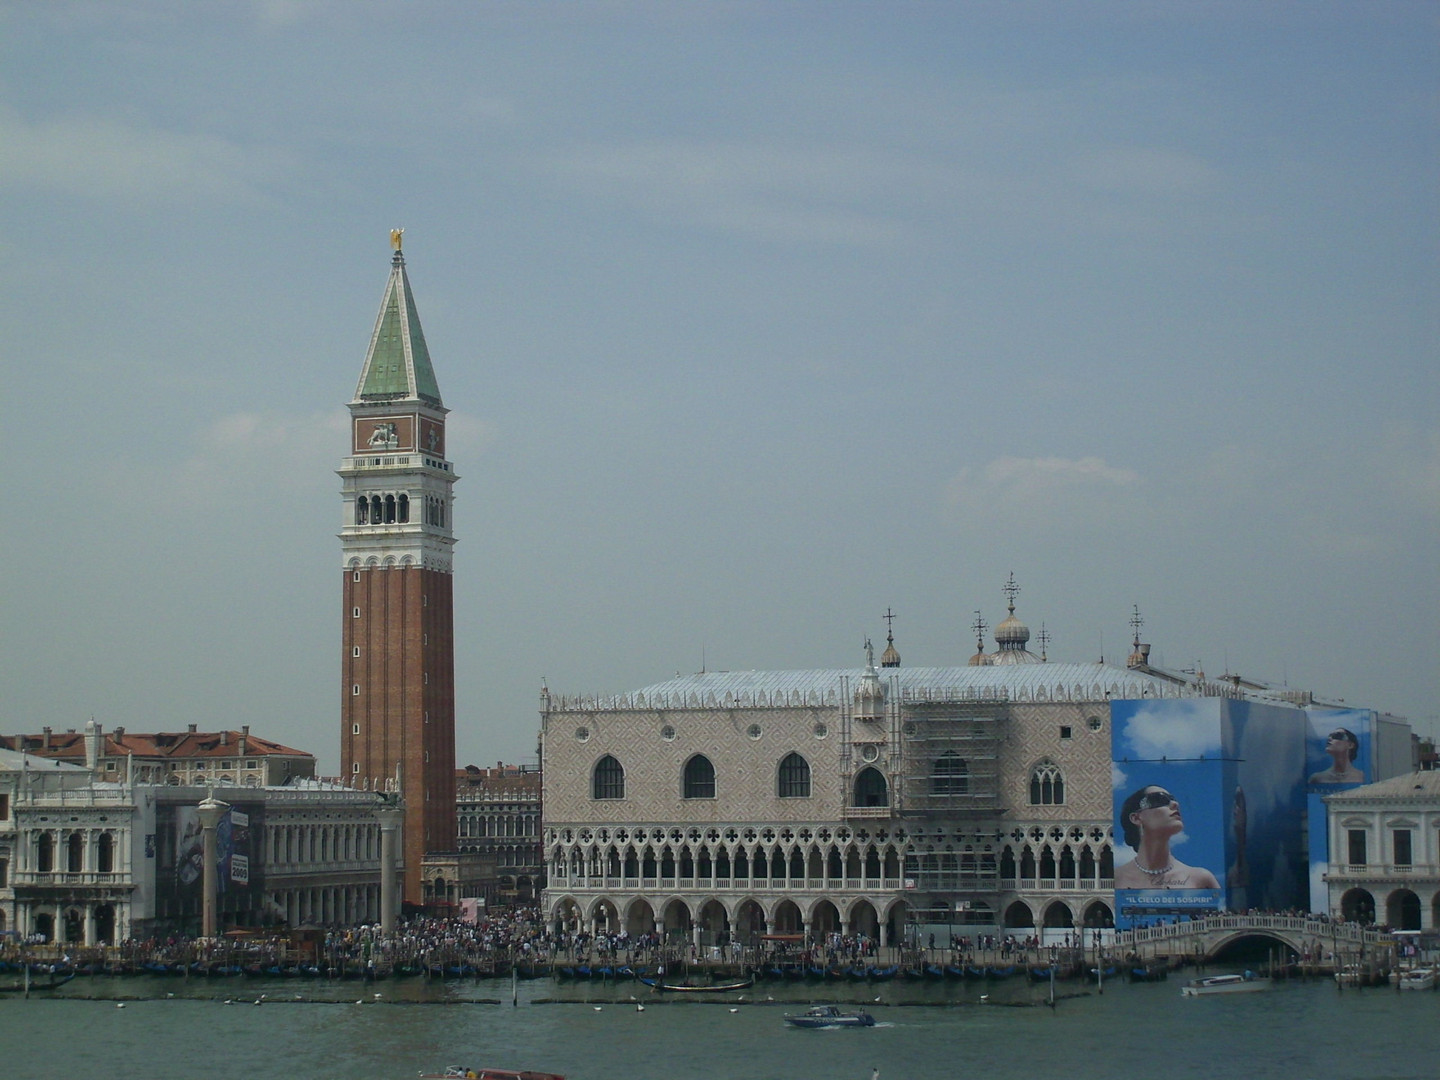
x=951 y=760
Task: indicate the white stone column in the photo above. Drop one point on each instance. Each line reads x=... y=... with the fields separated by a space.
x=211 y=811
x=391 y=818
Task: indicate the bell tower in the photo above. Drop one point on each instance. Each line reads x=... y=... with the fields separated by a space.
x=398 y=659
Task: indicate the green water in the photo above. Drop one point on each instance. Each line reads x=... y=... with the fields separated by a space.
x=1299 y=1031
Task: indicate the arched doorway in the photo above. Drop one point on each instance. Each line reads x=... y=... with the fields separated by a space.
x=750 y=923
x=871 y=788
x=895 y=921
x=639 y=918
x=677 y=921
x=1358 y=906
x=105 y=924
x=824 y=920
x=1018 y=916
x=1058 y=916
x=1098 y=915
x=45 y=926
x=864 y=921
x=1402 y=910
x=714 y=924
x=605 y=918
x=74 y=925
x=565 y=917
x=787 y=918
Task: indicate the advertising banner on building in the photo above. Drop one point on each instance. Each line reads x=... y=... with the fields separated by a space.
x=1210 y=808
x=1168 y=775
x=237 y=865
x=1339 y=754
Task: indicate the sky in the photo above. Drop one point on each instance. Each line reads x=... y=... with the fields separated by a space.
x=756 y=320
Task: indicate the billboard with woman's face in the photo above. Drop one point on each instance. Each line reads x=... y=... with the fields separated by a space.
x=1167 y=774
x=1209 y=807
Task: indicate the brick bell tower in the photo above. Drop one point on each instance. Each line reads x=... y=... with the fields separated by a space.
x=398 y=660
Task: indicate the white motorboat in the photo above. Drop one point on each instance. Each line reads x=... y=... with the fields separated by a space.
x=1418 y=979
x=1224 y=984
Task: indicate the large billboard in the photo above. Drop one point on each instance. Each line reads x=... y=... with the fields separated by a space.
x=1340 y=753
x=1209 y=808
x=237 y=864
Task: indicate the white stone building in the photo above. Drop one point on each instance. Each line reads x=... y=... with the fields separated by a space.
x=1385 y=852
x=89 y=861
x=728 y=805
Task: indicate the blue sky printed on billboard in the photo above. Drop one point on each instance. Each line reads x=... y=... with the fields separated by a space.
x=1265 y=843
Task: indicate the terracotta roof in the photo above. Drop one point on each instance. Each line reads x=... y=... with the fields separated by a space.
x=66 y=745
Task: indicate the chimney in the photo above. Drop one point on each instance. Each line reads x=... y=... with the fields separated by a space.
x=192 y=729
x=45 y=742
x=224 y=738
x=244 y=738
x=119 y=732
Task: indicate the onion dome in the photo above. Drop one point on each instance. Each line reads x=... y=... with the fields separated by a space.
x=889 y=658
x=1012 y=635
x=870 y=692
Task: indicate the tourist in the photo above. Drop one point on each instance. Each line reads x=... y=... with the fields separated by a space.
x=1150 y=818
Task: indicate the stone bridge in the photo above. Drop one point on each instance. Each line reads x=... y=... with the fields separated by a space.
x=1208 y=936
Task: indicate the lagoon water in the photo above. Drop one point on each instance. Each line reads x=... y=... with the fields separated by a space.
x=1295 y=1031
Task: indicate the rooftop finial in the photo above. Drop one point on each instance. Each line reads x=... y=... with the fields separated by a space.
x=1011 y=590
x=1135 y=623
x=979 y=626
x=1043 y=637
x=397 y=237
x=889 y=658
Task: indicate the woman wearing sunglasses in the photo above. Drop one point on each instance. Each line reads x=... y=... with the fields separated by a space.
x=1150 y=818
x=1343 y=747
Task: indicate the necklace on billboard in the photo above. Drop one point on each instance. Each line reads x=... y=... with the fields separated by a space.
x=1154 y=873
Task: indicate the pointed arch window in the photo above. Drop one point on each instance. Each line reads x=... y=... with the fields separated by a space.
x=608 y=781
x=871 y=788
x=1047 y=785
x=362 y=511
x=949 y=775
x=402 y=509
x=699 y=779
x=794 y=778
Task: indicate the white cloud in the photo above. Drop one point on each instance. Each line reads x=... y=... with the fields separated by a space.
x=1029 y=489
x=788 y=193
x=105 y=158
x=242 y=453
x=1175 y=729
x=1145 y=172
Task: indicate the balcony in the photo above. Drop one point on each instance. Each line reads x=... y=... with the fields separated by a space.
x=868 y=813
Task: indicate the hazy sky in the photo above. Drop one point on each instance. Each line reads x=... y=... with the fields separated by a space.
x=756 y=319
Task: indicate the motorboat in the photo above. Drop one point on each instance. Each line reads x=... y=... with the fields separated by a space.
x=828 y=1016
x=1418 y=979
x=1224 y=984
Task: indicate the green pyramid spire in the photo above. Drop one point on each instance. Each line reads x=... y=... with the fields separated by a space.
x=397 y=365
